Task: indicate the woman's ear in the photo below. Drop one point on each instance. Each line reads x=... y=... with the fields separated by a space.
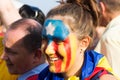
x=85 y=42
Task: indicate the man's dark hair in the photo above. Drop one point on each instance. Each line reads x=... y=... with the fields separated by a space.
x=33 y=39
x=27 y=11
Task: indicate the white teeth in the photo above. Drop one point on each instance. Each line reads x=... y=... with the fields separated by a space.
x=53 y=59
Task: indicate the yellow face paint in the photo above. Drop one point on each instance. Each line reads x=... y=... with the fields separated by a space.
x=61 y=55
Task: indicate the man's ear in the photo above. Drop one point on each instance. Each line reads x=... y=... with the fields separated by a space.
x=103 y=8
x=37 y=55
x=84 y=43
x=103 y=13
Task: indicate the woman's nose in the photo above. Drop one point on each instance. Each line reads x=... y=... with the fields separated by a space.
x=50 y=49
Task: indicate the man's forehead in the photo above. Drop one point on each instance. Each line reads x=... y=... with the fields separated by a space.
x=13 y=37
x=16 y=34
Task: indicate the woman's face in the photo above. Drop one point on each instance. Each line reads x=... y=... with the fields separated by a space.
x=60 y=45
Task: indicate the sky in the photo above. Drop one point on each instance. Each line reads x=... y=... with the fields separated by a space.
x=44 y=5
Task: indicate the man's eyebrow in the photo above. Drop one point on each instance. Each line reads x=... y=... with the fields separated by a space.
x=9 y=49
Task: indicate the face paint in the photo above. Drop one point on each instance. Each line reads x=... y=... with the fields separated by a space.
x=53 y=29
x=61 y=47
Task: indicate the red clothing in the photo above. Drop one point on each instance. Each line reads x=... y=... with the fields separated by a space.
x=34 y=77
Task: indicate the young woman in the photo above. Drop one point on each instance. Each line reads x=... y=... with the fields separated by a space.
x=68 y=31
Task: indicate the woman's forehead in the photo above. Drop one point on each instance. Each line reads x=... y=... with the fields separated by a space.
x=64 y=18
x=55 y=28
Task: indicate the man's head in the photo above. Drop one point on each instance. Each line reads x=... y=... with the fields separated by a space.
x=109 y=10
x=22 y=44
x=111 y=5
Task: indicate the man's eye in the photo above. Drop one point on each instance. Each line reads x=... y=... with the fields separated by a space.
x=8 y=51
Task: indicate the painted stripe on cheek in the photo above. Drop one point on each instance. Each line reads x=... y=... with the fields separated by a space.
x=68 y=52
x=59 y=62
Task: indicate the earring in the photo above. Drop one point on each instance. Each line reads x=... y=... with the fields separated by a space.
x=81 y=51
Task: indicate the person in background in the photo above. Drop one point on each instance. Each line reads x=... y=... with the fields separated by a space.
x=109 y=43
x=22 y=11
x=67 y=34
x=27 y=11
x=8 y=14
x=22 y=49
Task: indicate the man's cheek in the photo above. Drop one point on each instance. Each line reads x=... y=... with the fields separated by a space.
x=43 y=47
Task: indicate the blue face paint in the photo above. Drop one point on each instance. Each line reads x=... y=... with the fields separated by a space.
x=55 y=29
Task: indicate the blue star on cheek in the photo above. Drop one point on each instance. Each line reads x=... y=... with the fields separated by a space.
x=55 y=29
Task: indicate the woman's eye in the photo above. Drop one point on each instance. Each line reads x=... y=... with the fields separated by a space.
x=58 y=41
x=44 y=39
